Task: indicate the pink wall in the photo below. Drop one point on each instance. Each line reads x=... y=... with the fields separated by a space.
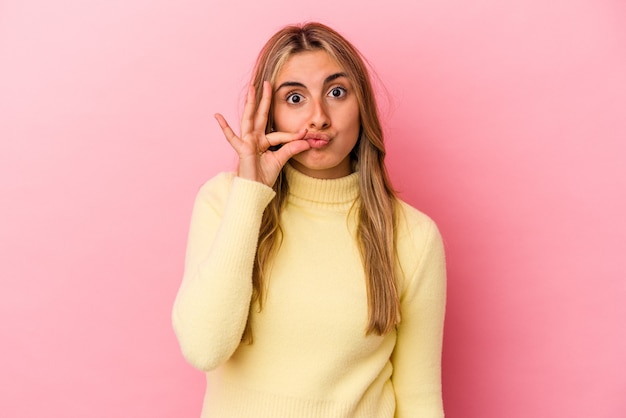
x=506 y=123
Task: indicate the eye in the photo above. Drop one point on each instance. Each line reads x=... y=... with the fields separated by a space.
x=294 y=98
x=337 y=92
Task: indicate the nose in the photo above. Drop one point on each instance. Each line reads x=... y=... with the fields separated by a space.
x=319 y=118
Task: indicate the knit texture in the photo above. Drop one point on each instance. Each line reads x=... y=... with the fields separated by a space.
x=311 y=356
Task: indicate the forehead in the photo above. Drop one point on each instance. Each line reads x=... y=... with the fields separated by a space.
x=311 y=66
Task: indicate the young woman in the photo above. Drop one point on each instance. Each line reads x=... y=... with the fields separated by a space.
x=310 y=290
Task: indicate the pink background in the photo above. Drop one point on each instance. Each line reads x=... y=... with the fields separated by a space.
x=506 y=122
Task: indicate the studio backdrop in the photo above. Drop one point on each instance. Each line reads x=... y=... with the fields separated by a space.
x=505 y=121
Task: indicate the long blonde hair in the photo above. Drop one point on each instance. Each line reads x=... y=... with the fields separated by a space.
x=376 y=206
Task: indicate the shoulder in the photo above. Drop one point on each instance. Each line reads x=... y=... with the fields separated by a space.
x=219 y=184
x=227 y=187
x=214 y=192
x=413 y=225
x=418 y=241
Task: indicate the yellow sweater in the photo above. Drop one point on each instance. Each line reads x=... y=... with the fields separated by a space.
x=310 y=356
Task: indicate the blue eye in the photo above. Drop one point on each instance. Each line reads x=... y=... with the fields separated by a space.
x=294 y=98
x=337 y=92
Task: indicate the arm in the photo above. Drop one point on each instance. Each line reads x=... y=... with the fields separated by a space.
x=212 y=304
x=417 y=356
x=211 y=308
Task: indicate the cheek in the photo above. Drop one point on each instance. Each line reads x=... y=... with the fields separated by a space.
x=285 y=121
x=352 y=120
x=351 y=114
x=275 y=117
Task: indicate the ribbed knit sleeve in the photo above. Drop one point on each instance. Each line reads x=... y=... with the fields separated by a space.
x=417 y=355
x=212 y=304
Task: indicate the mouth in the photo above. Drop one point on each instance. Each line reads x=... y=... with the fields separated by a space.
x=317 y=139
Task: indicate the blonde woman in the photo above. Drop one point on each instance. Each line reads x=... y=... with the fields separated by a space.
x=310 y=289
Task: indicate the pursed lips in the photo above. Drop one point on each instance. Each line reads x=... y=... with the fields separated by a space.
x=317 y=139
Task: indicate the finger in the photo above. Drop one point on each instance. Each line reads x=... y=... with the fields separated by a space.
x=247 y=120
x=278 y=138
x=260 y=121
x=228 y=132
x=290 y=149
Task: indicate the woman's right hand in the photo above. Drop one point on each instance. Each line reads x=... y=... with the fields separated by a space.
x=256 y=161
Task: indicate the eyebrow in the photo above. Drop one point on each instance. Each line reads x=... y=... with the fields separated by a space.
x=327 y=80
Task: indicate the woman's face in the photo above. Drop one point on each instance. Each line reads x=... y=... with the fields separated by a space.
x=313 y=92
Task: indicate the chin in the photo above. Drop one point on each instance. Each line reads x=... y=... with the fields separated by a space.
x=322 y=169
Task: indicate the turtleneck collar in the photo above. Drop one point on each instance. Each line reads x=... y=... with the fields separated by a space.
x=325 y=192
